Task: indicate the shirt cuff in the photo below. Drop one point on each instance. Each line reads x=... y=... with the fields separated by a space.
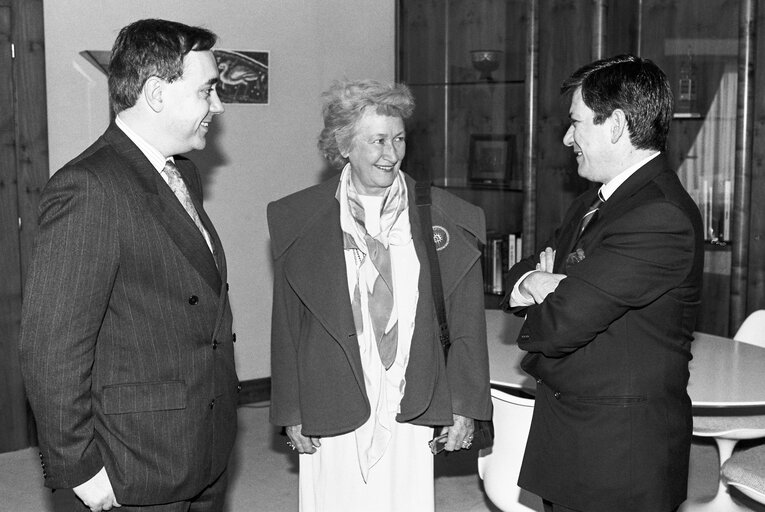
x=517 y=298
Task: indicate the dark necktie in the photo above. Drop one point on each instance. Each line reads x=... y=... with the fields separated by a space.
x=589 y=216
x=592 y=212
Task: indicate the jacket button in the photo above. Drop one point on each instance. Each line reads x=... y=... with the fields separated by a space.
x=215 y=344
x=557 y=395
x=539 y=381
x=226 y=286
x=233 y=337
x=193 y=300
x=238 y=388
x=212 y=403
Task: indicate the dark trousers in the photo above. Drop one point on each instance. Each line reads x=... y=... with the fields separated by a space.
x=554 y=507
x=209 y=500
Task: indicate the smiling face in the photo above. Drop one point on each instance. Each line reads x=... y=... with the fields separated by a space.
x=591 y=142
x=376 y=152
x=190 y=102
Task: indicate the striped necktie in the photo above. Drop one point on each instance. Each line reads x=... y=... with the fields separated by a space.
x=178 y=186
x=590 y=215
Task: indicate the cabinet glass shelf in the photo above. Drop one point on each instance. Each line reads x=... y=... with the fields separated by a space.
x=477 y=82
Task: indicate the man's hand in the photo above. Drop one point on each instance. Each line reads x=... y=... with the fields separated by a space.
x=538 y=285
x=300 y=442
x=546 y=260
x=459 y=435
x=97 y=493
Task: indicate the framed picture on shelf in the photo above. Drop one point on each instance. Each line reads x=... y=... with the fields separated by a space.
x=491 y=161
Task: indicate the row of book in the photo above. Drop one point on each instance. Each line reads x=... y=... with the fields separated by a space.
x=500 y=253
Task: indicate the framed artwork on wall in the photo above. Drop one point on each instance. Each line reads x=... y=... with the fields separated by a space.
x=243 y=76
x=491 y=161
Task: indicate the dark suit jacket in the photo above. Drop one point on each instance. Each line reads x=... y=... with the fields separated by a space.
x=610 y=348
x=126 y=345
x=317 y=378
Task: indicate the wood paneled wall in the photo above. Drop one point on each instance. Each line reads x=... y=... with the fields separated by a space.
x=756 y=263
x=23 y=173
x=565 y=36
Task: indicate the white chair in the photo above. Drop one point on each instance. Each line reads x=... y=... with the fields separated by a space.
x=745 y=471
x=727 y=431
x=500 y=465
x=752 y=330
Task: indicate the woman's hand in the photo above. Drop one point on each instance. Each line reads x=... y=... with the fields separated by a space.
x=300 y=442
x=460 y=435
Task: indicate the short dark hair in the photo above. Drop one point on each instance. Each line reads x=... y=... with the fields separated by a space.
x=345 y=103
x=633 y=84
x=147 y=48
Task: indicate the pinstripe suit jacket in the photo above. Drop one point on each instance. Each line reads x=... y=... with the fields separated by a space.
x=126 y=345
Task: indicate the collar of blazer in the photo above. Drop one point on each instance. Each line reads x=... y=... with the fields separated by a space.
x=305 y=231
x=614 y=207
x=162 y=203
x=634 y=183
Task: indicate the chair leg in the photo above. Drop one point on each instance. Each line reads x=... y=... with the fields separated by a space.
x=725 y=450
x=722 y=501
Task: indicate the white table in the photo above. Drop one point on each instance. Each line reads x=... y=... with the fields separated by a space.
x=724 y=373
x=727 y=377
x=504 y=355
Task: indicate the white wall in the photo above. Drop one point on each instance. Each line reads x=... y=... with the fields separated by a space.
x=255 y=153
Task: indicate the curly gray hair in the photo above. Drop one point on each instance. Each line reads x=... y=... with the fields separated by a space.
x=344 y=104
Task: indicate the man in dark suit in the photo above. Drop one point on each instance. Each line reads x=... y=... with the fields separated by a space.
x=126 y=344
x=610 y=307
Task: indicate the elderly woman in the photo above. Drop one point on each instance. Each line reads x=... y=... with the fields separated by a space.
x=358 y=374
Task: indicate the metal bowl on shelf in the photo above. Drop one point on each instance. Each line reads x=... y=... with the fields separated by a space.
x=485 y=61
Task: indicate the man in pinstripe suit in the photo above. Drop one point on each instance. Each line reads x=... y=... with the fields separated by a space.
x=126 y=344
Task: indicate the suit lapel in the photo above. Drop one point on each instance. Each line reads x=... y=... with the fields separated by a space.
x=618 y=201
x=425 y=305
x=568 y=234
x=315 y=268
x=166 y=208
x=213 y=267
x=455 y=259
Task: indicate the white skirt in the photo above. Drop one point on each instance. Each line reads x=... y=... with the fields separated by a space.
x=401 y=481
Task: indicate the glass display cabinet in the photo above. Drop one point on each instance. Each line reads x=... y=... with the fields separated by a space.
x=489 y=120
x=696 y=44
x=703 y=47
x=466 y=64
